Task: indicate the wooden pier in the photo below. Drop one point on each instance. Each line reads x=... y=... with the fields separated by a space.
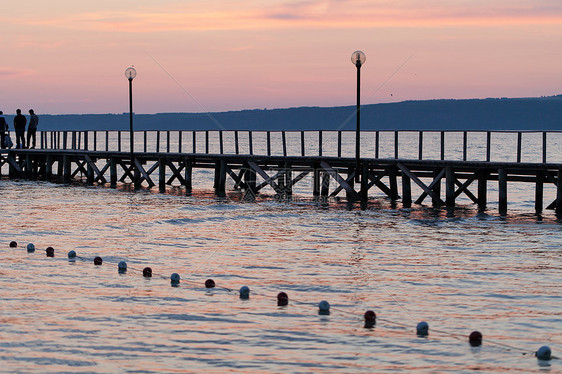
x=331 y=176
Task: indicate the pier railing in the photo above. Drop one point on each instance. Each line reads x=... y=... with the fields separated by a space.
x=509 y=146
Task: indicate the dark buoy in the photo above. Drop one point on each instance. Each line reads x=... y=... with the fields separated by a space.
x=147 y=272
x=244 y=292
x=31 y=247
x=50 y=252
x=282 y=299
x=475 y=338
x=98 y=260
x=13 y=244
x=175 y=279
x=122 y=267
x=370 y=319
x=422 y=329
x=324 y=308
x=544 y=353
x=72 y=254
x=209 y=283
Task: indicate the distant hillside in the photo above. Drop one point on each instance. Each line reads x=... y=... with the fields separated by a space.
x=543 y=113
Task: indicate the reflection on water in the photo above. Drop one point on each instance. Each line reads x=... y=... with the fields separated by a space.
x=460 y=272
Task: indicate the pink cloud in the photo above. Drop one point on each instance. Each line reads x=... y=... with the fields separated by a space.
x=11 y=73
x=249 y=15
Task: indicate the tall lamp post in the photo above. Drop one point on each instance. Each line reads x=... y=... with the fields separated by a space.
x=358 y=59
x=131 y=73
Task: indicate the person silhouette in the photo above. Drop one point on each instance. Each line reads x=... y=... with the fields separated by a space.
x=32 y=128
x=3 y=129
x=19 y=125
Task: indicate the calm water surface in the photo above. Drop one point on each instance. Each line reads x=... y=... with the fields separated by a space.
x=459 y=272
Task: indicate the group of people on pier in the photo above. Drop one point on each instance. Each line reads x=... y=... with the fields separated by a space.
x=20 y=122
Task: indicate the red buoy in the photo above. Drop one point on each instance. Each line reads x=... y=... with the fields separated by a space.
x=475 y=338
x=282 y=299
x=370 y=319
x=50 y=252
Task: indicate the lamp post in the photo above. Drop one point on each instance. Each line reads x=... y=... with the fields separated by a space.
x=358 y=59
x=131 y=73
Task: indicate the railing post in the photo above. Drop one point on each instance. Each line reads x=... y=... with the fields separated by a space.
x=144 y=140
x=269 y=143
x=106 y=140
x=251 y=142
x=168 y=141
x=320 y=143
x=396 y=144
x=194 y=141
x=377 y=140
x=284 y=140
x=221 y=143
x=420 y=145
x=64 y=139
x=180 y=141
x=544 y=147
x=442 y=145
x=119 y=141
x=158 y=141
x=302 y=143
x=85 y=140
x=519 y=135
x=207 y=141
x=339 y=143
x=488 y=145
x=464 y=145
x=95 y=140
x=236 y=145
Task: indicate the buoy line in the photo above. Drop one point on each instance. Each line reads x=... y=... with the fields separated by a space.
x=422 y=329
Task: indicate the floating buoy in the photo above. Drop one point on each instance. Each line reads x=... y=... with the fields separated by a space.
x=324 y=308
x=175 y=279
x=544 y=353
x=244 y=292
x=72 y=254
x=282 y=299
x=13 y=244
x=370 y=319
x=50 y=252
x=209 y=283
x=122 y=267
x=422 y=328
x=475 y=338
x=98 y=261
x=31 y=247
x=147 y=272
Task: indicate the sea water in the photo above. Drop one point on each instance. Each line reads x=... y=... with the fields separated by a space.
x=458 y=270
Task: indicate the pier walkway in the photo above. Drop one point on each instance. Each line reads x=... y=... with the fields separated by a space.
x=68 y=156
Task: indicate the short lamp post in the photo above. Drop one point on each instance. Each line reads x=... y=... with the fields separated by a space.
x=358 y=59
x=131 y=73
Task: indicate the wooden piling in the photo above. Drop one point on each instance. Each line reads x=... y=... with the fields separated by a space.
x=162 y=174
x=558 y=204
x=449 y=187
x=406 y=190
x=502 y=192
x=539 y=192
x=483 y=176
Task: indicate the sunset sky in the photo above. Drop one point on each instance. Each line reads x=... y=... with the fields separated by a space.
x=69 y=56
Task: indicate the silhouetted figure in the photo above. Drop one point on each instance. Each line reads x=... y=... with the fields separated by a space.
x=3 y=129
x=19 y=125
x=32 y=128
